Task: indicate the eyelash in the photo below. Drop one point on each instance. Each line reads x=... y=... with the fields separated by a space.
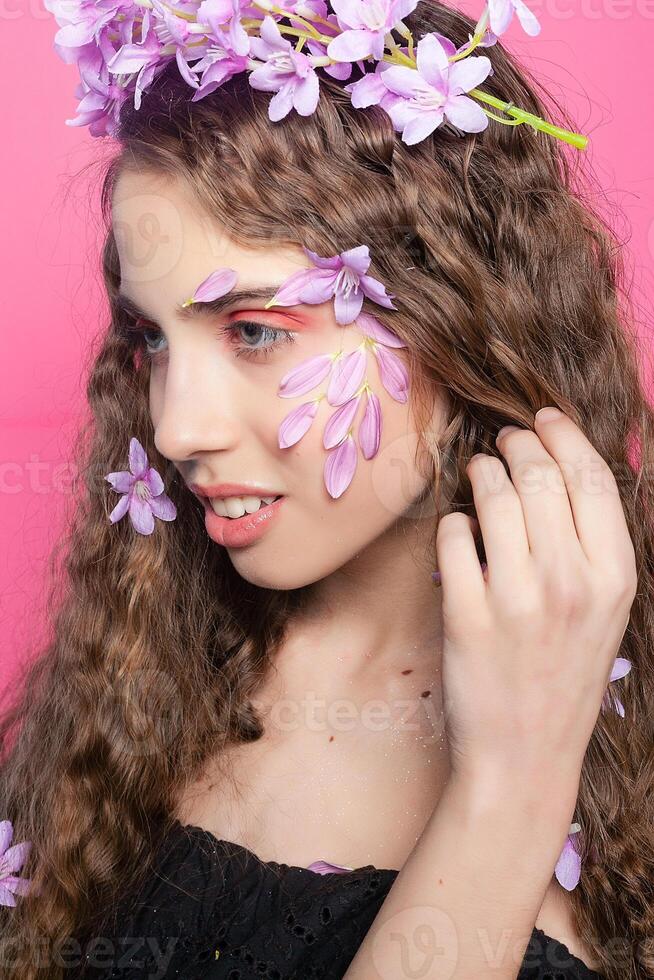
x=138 y=328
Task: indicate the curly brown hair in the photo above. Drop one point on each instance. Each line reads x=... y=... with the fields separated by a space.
x=512 y=297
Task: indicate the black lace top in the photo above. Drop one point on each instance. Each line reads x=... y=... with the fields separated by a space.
x=213 y=910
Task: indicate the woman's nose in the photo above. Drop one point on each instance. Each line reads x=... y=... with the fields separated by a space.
x=197 y=408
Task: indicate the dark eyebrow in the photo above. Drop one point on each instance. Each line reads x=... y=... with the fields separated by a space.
x=210 y=308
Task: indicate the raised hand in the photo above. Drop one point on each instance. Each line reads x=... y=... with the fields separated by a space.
x=530 y=643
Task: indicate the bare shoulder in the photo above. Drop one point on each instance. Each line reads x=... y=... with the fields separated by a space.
x=556 y=920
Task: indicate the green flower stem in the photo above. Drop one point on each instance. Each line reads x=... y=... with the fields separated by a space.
x=575 y=139
x=476 y=39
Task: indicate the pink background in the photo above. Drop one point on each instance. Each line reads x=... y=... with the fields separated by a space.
x=594 y=55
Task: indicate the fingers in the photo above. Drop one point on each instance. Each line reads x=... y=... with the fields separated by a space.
x=461 y=574
x=537 y=478
x=501 y=521
x=592 y=491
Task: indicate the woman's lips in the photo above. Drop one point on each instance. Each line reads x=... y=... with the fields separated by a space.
x=237 y=532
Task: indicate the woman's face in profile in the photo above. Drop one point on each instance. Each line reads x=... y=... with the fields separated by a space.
x=214 y=399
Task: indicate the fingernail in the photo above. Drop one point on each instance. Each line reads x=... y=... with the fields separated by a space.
x=506 y=428
x=547 y=414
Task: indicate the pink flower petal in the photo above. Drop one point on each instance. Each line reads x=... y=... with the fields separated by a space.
x=17 y=886
x=333 y=262
x=122 y=481
x=282 y=102
x=394 y=375
x=319 y=288
x=217 y=283
x=14 y=858
x=376 y=291
x=432 y=58
x=351 y=45
x=339 y=423
x=296 y=424
x=528 y=20
x=163 y=507
x=357 y=259
x=347 y=304
x=306 y=94
x=368 y=90
x=138 y=460
x=371 y=427
x=288 y=293
x=6 y=834
x=140 y=514
x=305 y=376
x=346 y=378
x=154 y=482
x=621 y=668
x=6 y=898
x=500 y=15
x=340 y=466
x=466 y=114
x=372 y=327
x=421 y=125
x=324 y=868
x=120 y=509
x=468 y=73
x=568 y=866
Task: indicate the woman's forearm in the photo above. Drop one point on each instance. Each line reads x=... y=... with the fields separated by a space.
x=464 y=905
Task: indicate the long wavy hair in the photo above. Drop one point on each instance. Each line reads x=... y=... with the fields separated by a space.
x=512 y=296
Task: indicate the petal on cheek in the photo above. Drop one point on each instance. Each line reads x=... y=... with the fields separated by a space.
x=346 y=377
x=339 y=423
x=371 y=427
x=296 y=424
x=305 y=376
x=340 y=466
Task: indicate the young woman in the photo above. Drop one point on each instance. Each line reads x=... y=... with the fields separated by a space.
x=279 y=745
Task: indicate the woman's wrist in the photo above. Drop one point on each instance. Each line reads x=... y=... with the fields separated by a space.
x=534 y=787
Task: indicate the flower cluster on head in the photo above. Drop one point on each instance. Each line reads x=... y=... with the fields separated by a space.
x=120 y=46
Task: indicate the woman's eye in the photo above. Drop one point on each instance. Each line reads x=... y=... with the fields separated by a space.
x=251 y=332
x=258 y=339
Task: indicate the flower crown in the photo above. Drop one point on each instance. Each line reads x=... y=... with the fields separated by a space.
x=120 y=46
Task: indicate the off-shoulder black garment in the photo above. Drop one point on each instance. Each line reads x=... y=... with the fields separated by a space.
x=213 y=910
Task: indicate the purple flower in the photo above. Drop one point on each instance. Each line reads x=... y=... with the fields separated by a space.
x=12 y=859
x=345 y=390
x=218 y=65
x=143 y=491
x=217 y=13
x=364 y=27
x=568 y=866
x=501 y=14
x=286 y=71
x=145 y=57
x=318 y=8
x=621 y=668
x=342 y=276
x=100 y=96
x=434 y=90
x=217 y=283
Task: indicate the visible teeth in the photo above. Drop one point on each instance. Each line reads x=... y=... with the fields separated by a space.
x=238 y=506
